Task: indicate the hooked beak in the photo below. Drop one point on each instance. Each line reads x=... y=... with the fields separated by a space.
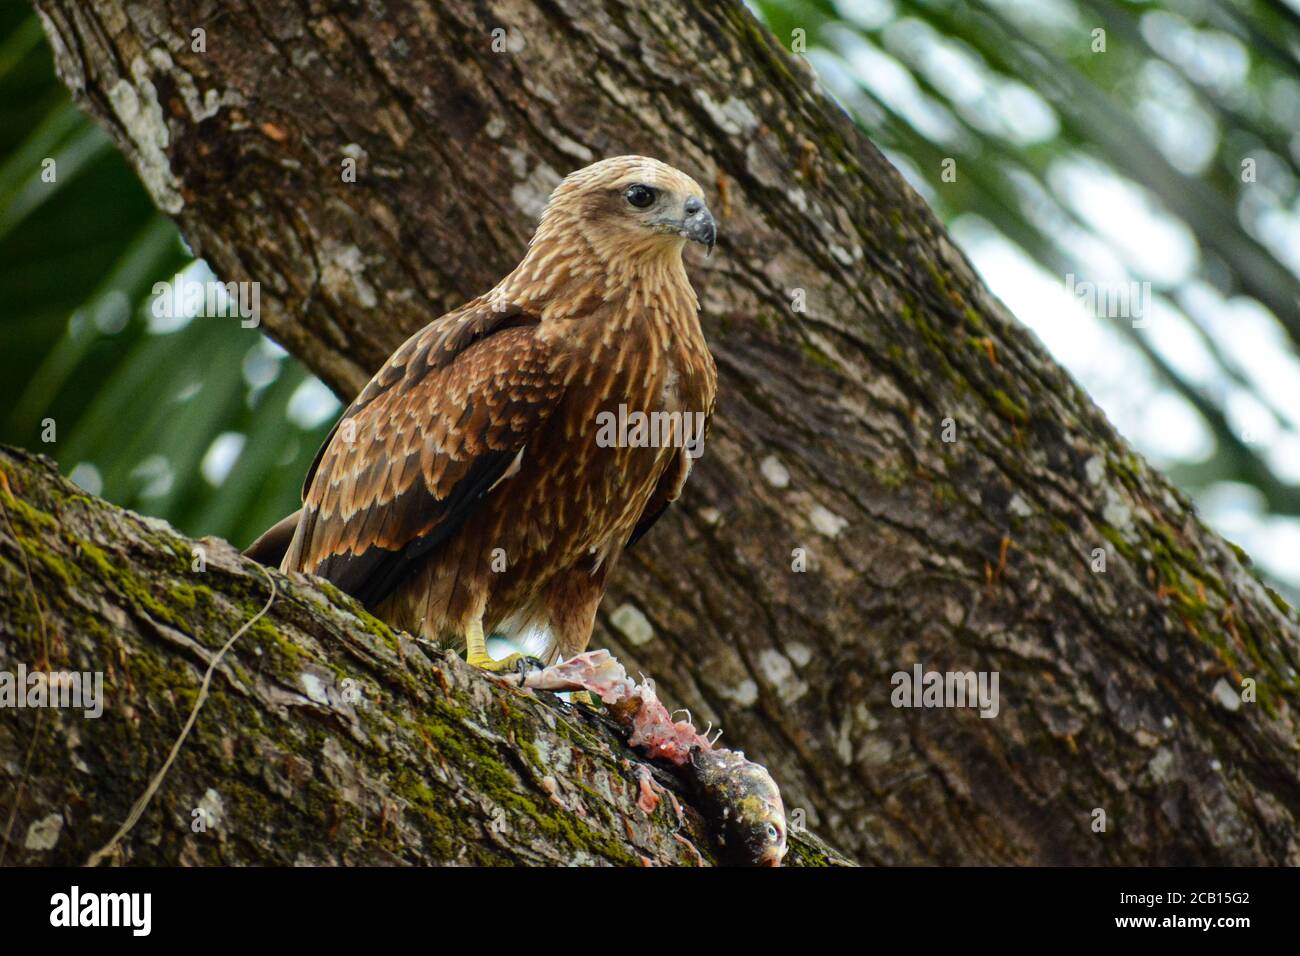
x=699 y=225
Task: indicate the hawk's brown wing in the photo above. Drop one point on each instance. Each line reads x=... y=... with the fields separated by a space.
x=435 y=429
x=669 y=487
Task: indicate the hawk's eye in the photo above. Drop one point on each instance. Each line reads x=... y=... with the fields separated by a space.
x=639 y=195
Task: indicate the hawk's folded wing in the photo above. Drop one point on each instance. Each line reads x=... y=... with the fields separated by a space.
x=439 y=425
x=671 y=483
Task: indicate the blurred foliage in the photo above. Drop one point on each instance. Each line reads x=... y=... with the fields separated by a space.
x=185 y=420
x=208 y=425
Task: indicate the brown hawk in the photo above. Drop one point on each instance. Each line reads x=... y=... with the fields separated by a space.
x=490 y=475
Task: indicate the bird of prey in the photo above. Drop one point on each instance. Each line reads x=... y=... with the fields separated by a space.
x=473 y=487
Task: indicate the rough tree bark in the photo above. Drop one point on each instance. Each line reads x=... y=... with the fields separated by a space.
x=1118 y=688
x=326 y=738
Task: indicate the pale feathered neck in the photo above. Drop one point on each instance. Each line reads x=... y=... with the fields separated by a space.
x=566 y=271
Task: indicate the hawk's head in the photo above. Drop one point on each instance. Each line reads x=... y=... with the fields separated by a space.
x=630 y=205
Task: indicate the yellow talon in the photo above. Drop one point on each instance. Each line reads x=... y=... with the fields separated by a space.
x=512 y=662
x=476 y=654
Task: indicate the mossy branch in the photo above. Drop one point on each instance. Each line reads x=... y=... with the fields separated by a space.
x=327 y=738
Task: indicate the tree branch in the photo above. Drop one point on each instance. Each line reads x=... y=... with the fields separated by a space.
x=327 y=738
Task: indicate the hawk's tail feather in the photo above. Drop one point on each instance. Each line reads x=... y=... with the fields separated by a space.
x=271 y=545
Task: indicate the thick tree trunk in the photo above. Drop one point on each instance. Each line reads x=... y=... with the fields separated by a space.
x=848 y=333
x=326 y=737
